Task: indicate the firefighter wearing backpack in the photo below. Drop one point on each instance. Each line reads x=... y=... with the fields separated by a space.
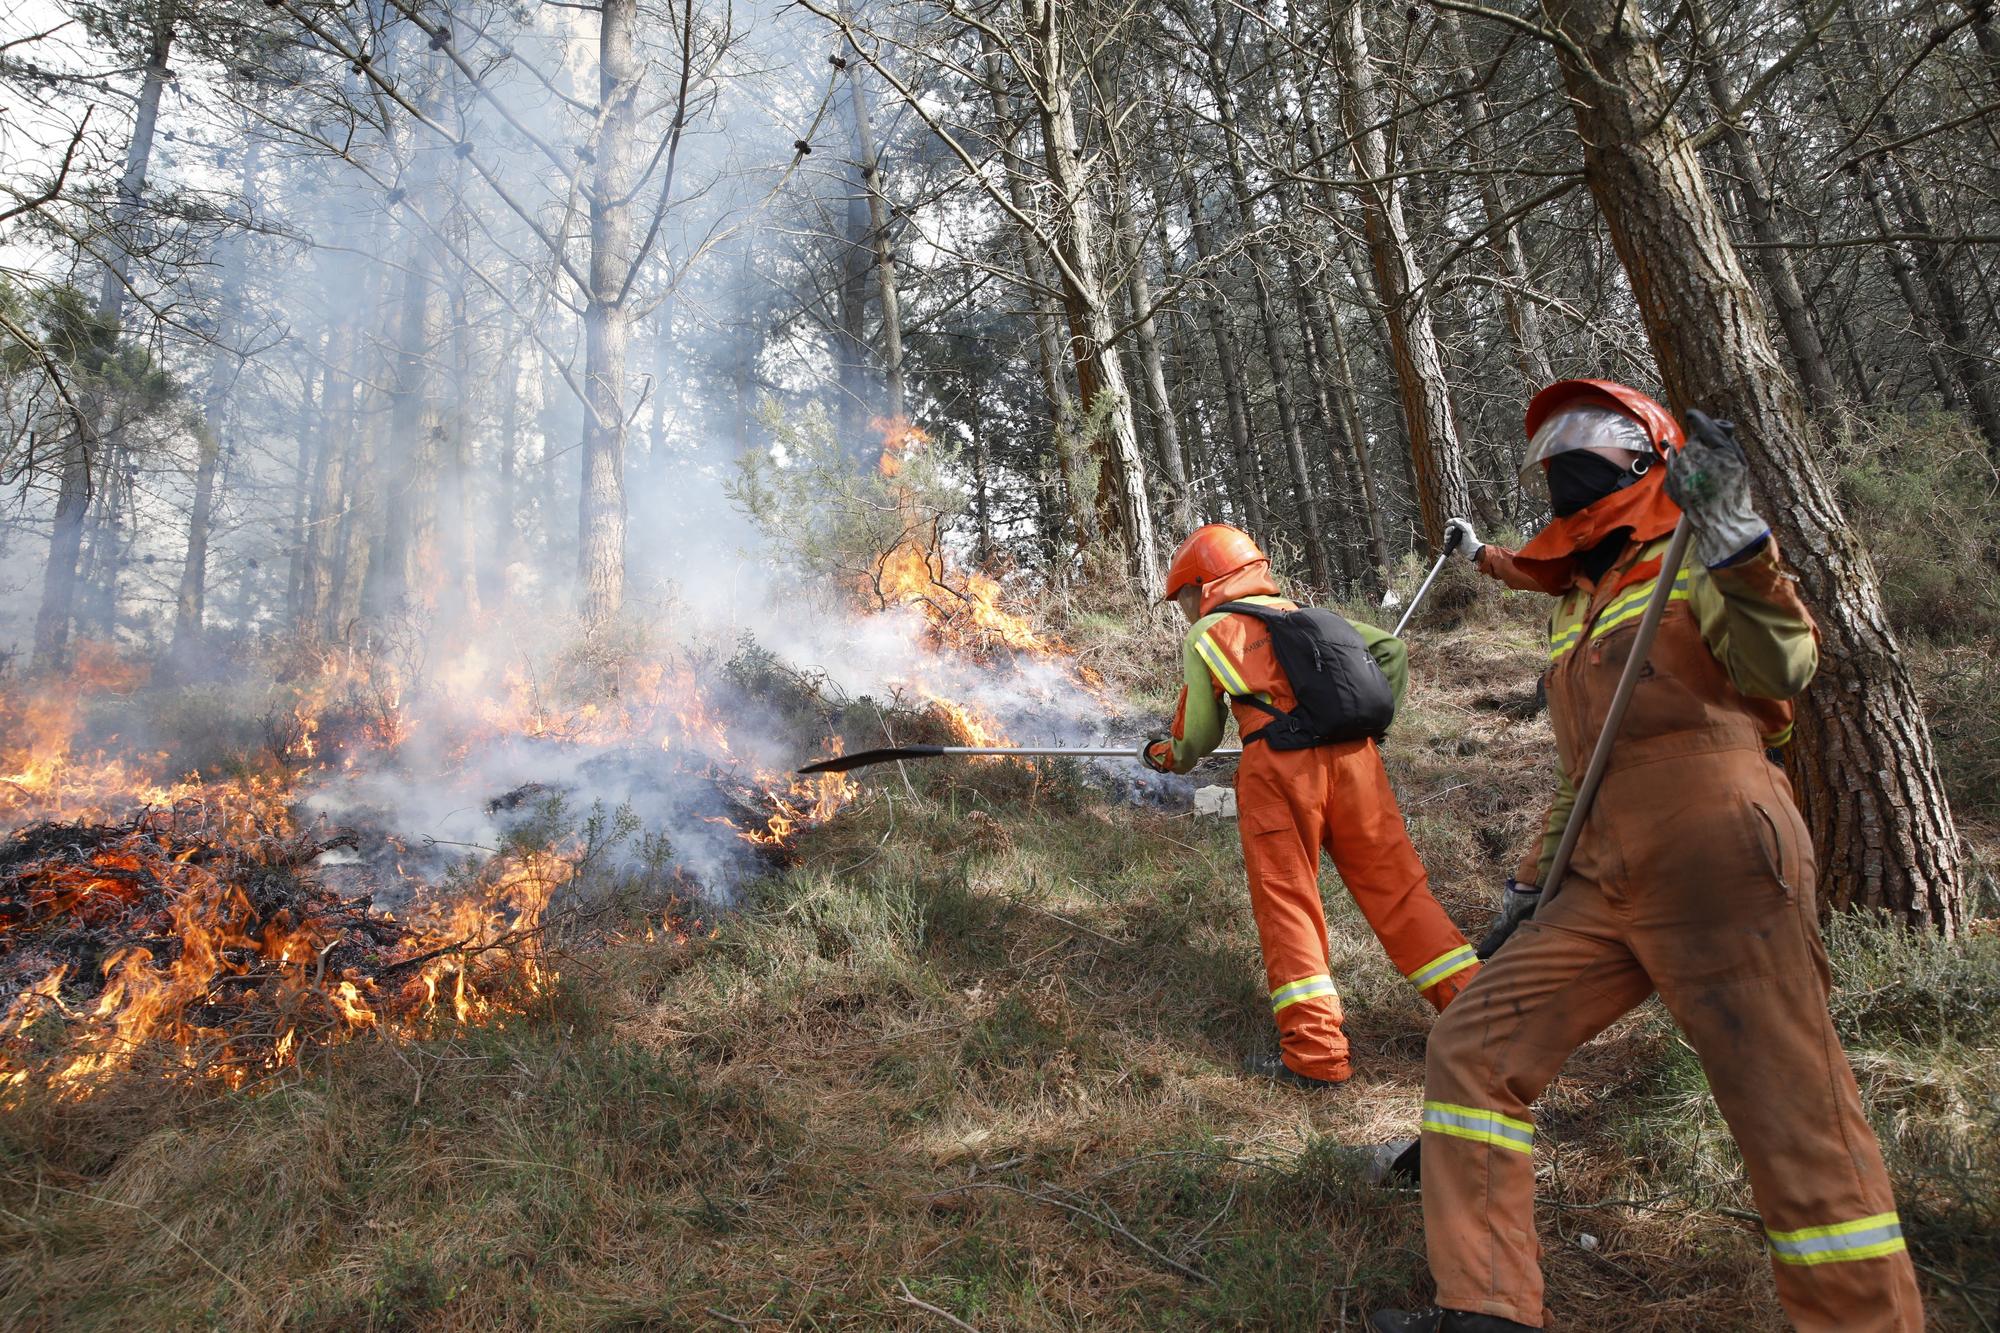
x=1310 y=778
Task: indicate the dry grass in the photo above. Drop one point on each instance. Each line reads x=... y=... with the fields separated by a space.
x=973 y=1063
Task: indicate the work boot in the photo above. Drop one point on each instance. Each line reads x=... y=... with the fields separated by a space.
x=1271 y=1065
x=1435 y=1320
x=1398 y=1164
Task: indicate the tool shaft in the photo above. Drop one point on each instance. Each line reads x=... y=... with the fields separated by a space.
x=1450 y=545
x=1621 y=699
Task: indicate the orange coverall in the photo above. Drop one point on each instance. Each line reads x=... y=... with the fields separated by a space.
x=1694 y=877
x=1292 y=803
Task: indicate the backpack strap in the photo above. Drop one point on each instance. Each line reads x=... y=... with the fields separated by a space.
x=1267 y=614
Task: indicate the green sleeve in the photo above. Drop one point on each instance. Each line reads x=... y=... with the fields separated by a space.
x=1534 y=869
x=1390 y=653
x=1201 y=710
x=1753 y=621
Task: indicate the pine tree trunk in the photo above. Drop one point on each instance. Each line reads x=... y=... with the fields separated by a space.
x=1436 y=458
x=223 y=366
x=1774 y=261
x=1510 y=259
x=1277 y=360
x=404 y=574
x=329 y=496
x=1344 y=487
x=1122 y=503
x=1229 y=369
x=881 y=237
x=607 y=319
x=1864 y=764
x=1050 y=357
x=461 y=545
x=87 y=438
x=1159 y=402
x=501 y=524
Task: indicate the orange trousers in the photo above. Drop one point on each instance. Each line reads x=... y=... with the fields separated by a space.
x=1694 y=877
x=1292 y=803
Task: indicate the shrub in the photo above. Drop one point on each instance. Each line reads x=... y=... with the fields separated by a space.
x=1922 y=493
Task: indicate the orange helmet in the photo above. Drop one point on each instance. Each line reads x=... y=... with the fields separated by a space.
x=1582 y=403
x=1211 y=551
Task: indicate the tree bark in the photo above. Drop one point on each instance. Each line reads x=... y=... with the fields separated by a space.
x=1510 y=258
x=1122 y=503
x=329 y=489
x=1774 y=261
x=1435 y=454
x=1159 y=402
x=1050 y=358
x=1864 y=765
x=607 y=319
x=407 y=564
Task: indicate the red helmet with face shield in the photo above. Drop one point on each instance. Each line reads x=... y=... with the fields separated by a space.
x=1595 y=414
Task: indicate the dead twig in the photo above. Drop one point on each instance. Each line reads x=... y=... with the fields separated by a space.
x=928 y=1308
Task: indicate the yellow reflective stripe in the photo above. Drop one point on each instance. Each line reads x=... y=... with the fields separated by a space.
x=1633 y=601
x=1627 y=606
x=1469 y=1122
x=1778 y=739
x=1305 y=988
x=1844 y=1242
x=1225 y=672
x=1443 y=967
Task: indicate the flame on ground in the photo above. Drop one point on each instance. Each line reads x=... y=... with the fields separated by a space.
x=210 y=973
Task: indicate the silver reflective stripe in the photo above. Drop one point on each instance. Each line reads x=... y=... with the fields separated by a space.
x=1305 y=988
x=1866 y=1238
x=1469 y=1122
x=1443 y=967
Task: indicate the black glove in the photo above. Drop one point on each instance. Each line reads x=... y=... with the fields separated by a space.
x=1518 y=904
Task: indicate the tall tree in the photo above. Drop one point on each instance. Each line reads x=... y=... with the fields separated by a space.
x=1429 y=417
x=59 y=580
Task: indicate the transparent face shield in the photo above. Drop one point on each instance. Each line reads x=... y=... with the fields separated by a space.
x=1583 y=427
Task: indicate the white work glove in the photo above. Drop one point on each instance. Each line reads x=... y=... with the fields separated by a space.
x=1468 y=544
x=1709 y=478
x=1518 y=904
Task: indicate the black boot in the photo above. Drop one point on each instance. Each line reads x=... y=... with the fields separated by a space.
x=1272 y=1066
x=1435 y=1320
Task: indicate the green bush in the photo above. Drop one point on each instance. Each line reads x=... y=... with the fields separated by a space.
x=1922 y=494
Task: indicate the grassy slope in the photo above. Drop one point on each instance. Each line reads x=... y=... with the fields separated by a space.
x=974 y=1060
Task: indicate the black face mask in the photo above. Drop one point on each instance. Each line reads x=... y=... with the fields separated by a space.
x=1578 y=480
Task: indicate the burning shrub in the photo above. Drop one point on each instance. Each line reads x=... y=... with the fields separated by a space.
x=201 y=930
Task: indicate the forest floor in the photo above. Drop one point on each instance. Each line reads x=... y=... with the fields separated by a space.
x=972 y=1062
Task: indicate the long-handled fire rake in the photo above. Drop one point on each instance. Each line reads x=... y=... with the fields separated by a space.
x=863 y=758
x=890 y=754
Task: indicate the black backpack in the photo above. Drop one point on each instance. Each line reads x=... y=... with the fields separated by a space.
x=1343 y=695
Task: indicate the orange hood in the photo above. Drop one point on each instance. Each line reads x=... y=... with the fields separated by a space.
x=1550 y=558
x=1249 y=581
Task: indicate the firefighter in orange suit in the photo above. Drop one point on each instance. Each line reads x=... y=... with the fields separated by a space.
x=1693 y=877
x=1293 y=802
